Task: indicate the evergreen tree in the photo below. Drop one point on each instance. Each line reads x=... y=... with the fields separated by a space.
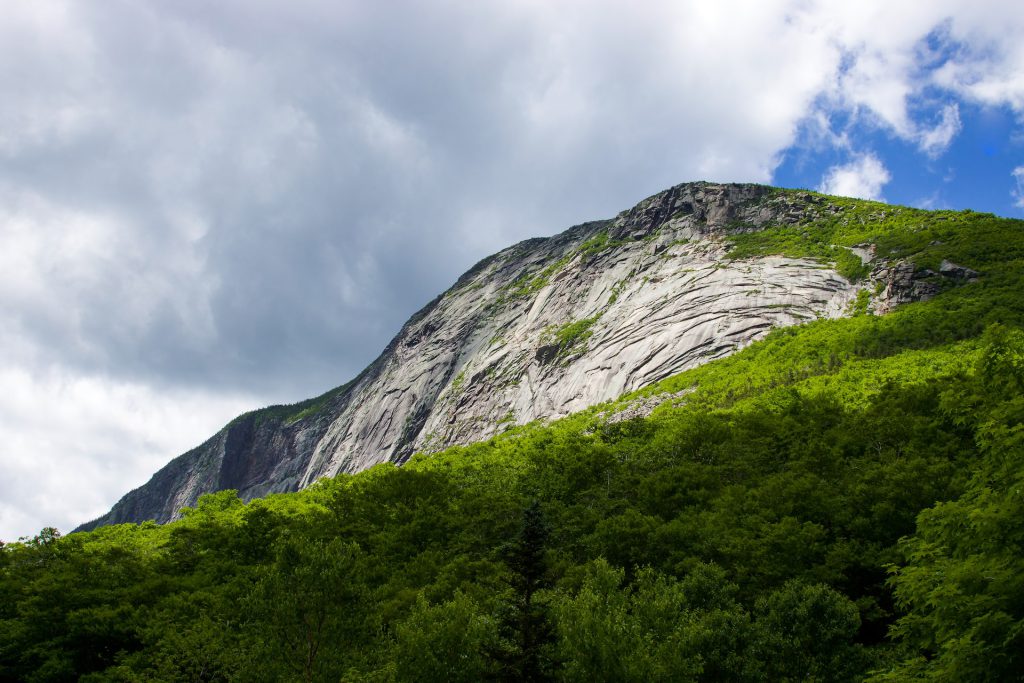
x=526 y=626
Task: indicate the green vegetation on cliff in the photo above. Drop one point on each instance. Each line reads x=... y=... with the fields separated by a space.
x=841 y=501
x=894 y=232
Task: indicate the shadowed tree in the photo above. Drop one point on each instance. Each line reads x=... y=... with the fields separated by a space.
x=307 y=609
x=526 y=626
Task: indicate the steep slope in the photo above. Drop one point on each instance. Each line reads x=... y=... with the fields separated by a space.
x=837 y=501
x=540 y=330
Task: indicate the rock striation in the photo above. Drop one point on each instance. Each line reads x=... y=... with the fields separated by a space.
x=539 y=330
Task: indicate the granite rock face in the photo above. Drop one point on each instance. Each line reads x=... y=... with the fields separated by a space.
x=540 y=330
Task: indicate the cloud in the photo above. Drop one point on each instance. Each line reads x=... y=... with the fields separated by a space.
x=1018 y=192
x=205 y=192
x=863 y=177
x=247 y=199
x=935 y=141
x=906 y=64
x=987 y=61
x=75 y=443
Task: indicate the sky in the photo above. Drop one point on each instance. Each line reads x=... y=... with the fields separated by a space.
x=207 y=208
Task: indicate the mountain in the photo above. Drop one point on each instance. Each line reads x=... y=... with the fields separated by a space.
x=551 y=326
x=839 y=500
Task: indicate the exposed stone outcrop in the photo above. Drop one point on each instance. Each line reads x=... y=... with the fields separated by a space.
x=902 y=283
x=540 y=330
x=643 y=407
x=958 y=272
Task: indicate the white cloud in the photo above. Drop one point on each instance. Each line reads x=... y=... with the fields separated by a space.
x=74 y=444
x=863 y=177
x=897 y=55
x=935 y=141
x=1018 y=193
x=988 y=66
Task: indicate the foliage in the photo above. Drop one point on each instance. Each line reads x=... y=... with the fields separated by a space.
x=525 y=653
x=602 y=241
x=529 y=284
x=961 y=582
x=897 y=232
x=309 y=595
x=568 y=338
x=445 y=642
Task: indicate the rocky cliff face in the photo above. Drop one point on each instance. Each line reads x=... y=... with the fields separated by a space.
x=542 y=329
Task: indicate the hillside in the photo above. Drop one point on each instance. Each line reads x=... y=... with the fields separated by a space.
x=839 y=500
x=551 y=326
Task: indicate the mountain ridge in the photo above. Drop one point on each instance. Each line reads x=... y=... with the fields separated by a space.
x=539 y=330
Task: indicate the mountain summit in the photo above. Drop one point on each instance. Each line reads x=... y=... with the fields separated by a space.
x=551 y=326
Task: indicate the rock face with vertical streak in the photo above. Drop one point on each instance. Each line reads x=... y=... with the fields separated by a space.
x=540 y=330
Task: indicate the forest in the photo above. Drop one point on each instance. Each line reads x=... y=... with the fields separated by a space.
x=841 y=501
